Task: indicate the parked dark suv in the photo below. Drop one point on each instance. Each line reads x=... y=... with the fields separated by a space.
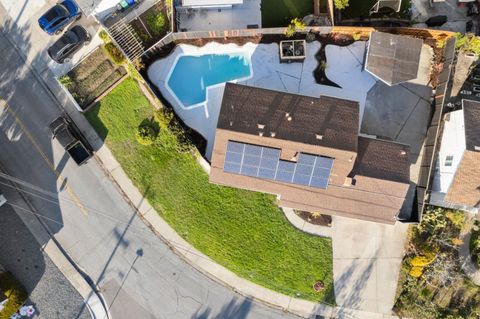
x=68 y=44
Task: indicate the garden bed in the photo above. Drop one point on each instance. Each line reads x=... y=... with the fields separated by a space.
x=432 y=284
x=244 y=231
x=152 y=25
x=92 y=77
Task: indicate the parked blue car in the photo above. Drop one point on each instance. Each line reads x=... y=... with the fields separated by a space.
x=59 y=16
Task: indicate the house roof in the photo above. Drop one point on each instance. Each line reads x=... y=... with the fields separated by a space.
x=324 y=121
x=382 y=160
x=393 y=58
x=379 y=172
x=471 y=112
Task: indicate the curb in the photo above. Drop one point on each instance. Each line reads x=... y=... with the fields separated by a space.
x=93 y=301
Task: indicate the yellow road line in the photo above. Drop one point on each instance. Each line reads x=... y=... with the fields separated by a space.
x=49 y=163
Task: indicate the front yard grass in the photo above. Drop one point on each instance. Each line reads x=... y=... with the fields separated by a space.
x=279 y=13
x=241 y=230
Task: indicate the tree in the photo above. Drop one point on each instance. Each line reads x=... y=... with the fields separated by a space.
x=341 y=4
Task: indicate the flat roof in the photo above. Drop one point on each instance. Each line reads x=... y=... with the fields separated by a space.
x=393 y=58
x=324 y=121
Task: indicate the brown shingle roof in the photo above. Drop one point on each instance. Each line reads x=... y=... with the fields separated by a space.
x=471 y=113
x=465 y=188
x=393 y=58
x=244 y=108
x=382 y=160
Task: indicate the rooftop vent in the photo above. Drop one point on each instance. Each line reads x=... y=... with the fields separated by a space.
x=231 y=123
x=403 y=153
x=476 y=148
x=319 y=136
x=260 y=133
x=289 y=118
x=260 y=126
x=272 y=134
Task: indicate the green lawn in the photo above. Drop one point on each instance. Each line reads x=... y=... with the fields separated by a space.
x=278 y=13
x=244 y=231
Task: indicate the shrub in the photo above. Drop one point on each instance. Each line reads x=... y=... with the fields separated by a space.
x=15 y=293
x=468 y=43
x=323 y=65
x=156 y=22
x=114 y=53
x=416 y=272
x=66 y=81
x=104 y=36
x=133 y=72
x=456 y=218
x=422 y=261
x=295 y=24
x=356 y=36
x=147 y=132
x=340 y=4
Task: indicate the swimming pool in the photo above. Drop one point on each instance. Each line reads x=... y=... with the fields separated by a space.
x=191 y=75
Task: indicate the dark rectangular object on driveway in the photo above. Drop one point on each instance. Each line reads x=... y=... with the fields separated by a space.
x=72 y=140
x=436 y=21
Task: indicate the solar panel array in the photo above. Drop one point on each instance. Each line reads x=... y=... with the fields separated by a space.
x=264 y=162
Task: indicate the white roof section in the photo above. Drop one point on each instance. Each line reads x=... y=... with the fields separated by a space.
x=453 y=145
x=210 y=3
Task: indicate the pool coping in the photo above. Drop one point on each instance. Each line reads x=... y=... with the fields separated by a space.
x=244 y=53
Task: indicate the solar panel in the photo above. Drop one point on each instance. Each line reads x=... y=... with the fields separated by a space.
x=265 y=163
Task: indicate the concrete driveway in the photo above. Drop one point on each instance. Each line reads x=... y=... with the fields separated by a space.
x=24 y=15
x=366 y=263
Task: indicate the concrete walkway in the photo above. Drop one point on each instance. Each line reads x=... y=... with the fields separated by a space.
x=470 y=269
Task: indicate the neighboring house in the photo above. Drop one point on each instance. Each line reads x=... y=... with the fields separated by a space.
x=456 y=182
x=393 y=58
x=308 y=152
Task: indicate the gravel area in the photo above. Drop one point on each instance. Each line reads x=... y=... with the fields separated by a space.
x=50 y=292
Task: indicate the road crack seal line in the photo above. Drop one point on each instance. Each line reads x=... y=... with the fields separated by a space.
x=29 y=136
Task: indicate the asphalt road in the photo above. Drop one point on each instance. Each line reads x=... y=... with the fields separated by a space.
x=139 y=276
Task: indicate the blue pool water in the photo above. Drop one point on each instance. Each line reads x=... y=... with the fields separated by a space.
x=193 y=74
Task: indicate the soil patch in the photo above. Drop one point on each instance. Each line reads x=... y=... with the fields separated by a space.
x=143 y=25
x=321 y=220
